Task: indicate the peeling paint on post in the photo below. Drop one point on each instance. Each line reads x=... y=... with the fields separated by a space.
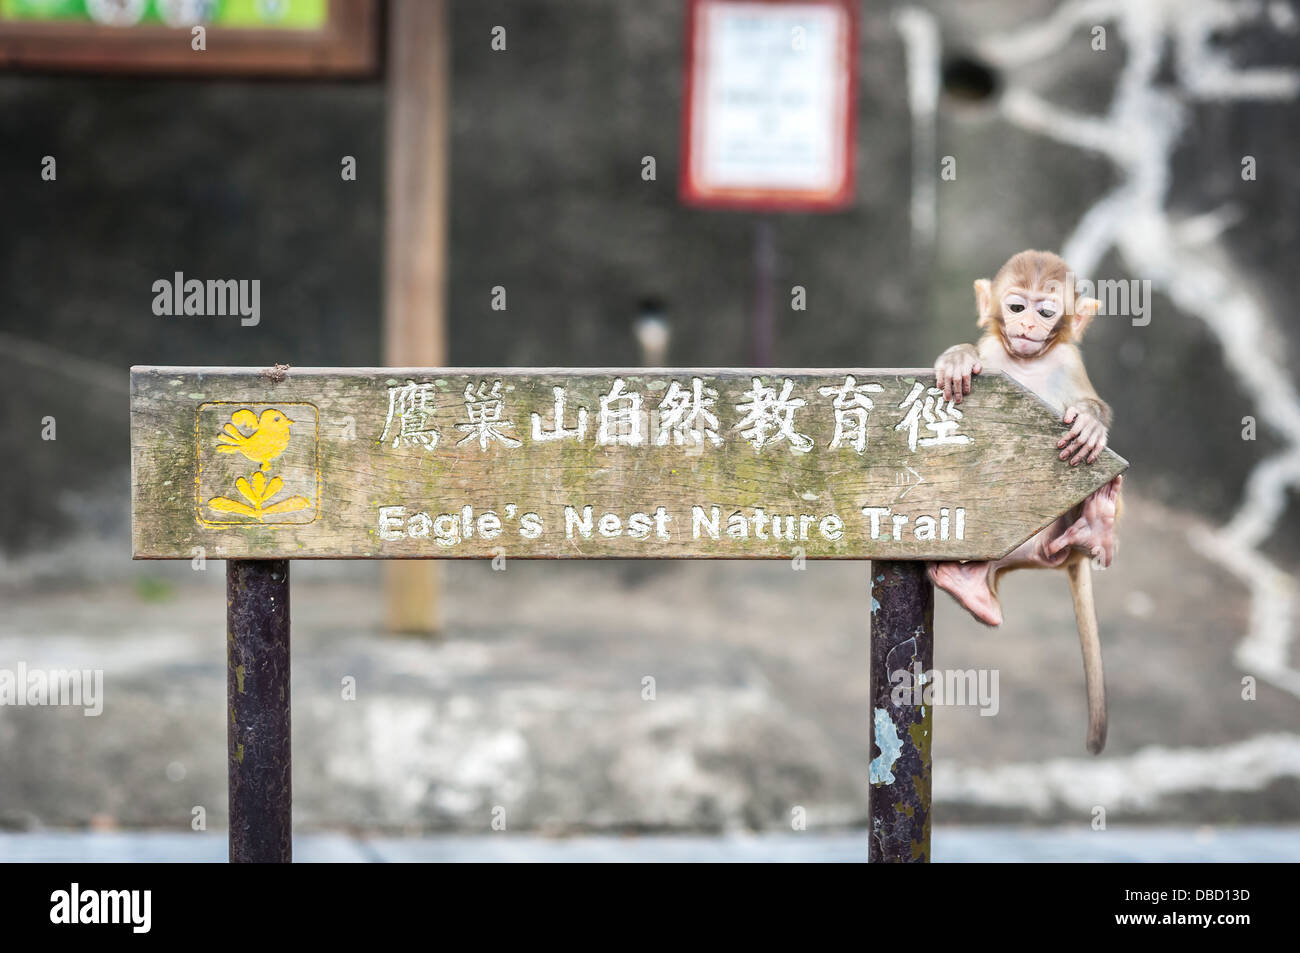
x=257 y=722
x=902 y=638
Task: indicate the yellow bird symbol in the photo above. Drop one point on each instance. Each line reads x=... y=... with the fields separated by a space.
x=268 y=437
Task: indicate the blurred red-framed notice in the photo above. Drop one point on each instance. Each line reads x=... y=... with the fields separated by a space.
x=768 y=120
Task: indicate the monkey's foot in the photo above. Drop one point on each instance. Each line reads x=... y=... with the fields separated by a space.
x=1092 y=533
x=1053 y=552
x=968 y=583
x=1100 y=511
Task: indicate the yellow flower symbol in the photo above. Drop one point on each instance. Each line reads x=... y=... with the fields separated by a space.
x=261 y=440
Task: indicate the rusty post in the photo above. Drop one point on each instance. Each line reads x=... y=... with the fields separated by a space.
x=902 y=646
x=257 y=693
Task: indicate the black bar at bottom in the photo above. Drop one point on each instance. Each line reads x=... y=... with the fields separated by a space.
x=902 y=648
x=257 y=727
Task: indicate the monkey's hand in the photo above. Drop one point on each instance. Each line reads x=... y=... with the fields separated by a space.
x=1086 y=438
x=953 y=371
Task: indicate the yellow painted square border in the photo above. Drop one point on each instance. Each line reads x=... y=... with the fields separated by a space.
x=198 y=459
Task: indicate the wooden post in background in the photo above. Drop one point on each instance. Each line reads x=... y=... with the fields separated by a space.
x=415 y=257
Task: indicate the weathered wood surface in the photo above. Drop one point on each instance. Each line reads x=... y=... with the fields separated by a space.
x=405 y=463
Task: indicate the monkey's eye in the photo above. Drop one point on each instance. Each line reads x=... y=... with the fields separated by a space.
x=1015 y=308
x=1047 y=312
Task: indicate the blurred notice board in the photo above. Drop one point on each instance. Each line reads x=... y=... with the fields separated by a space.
x=770 y=88
x=242 y=37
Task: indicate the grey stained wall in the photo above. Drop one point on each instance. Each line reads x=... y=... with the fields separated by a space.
x=241 y=179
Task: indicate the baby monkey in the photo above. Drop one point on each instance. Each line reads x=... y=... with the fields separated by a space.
x=1032 y=322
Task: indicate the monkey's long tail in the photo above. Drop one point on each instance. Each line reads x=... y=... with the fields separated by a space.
x=1085 y=616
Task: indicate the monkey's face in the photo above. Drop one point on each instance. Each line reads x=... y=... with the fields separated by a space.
x=1030 y=321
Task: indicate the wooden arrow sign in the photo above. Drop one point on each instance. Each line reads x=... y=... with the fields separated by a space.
x=446 y=463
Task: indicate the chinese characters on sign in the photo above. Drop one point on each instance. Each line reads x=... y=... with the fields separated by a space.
x=765 y=416
x=409 y=416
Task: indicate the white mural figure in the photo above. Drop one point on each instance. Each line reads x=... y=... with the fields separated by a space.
x=1175 y=59
x=1178 y=54
x=410 y=417
x=769 y=418
x=685 y=418
x=484 y=407
x=941 y=419
x=620 y=417
x=852 y=405
x=560 y=432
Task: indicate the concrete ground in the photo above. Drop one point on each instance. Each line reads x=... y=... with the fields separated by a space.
x=951 y=845
x=584 y=698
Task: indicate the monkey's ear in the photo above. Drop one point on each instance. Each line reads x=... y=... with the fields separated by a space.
x=1085 y=309
x=983 y=302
